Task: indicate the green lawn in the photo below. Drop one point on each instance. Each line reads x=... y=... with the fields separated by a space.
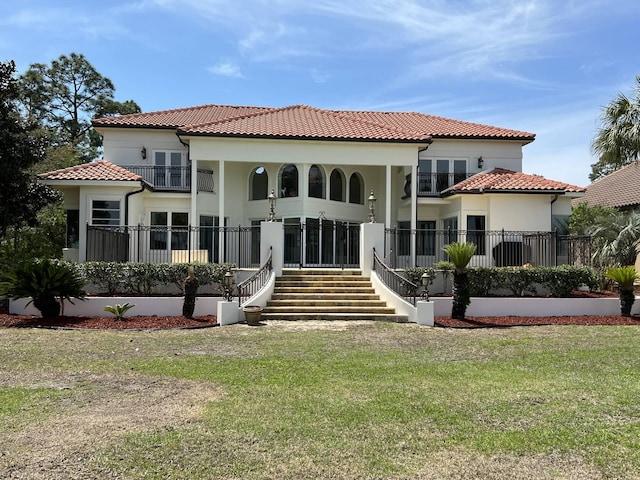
x=388 y=401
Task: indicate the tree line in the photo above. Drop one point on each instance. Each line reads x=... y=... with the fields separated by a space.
x=45 y=124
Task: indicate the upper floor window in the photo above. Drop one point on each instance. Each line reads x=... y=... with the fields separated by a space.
x=289 y=181
x=105 y=213
x=356 y=189
x=336 y=186
x=447 y=173
x=168 y=169
x=259 y=184
x=316 y=182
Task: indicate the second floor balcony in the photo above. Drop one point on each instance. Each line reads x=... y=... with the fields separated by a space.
x=173 y=178
x=432 y=184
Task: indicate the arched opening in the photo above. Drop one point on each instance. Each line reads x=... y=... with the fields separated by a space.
x=316 y=182
x=356 y=189
x=337 y=186
x=259 y=184
x=289 y=181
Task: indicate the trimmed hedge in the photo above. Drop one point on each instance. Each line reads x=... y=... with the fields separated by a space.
x=521 y=281
x=143 y=278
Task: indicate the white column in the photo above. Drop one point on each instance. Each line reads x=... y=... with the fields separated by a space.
x=425 y=313
x=193 y=216
x=221 y=247
x=414 y=211
x=388 y=195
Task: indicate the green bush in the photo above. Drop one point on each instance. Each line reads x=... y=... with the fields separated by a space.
x=47 y=282
x=109 y=276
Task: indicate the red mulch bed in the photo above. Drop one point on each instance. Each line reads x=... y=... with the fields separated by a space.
x=106 y=323
x=485 y=322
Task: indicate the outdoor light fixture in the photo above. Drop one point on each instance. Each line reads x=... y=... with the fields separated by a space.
x=143 y=153
x=480 y=161
x=426 y=281
x=272 y=206
x=228 y=285
x=372 y=213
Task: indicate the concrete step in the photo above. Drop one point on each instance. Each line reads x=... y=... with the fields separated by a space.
x=328 y=309
x=316 y=291
x=335 y=316
x=325 y=296
x=315 y=302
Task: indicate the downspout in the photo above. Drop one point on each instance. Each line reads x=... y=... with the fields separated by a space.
x=143 y=186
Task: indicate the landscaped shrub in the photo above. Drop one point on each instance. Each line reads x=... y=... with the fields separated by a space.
x=109 y=276
x=48 y=282
x=207 y=274
x=564 y=279
x=482 y=280
x=414 y=274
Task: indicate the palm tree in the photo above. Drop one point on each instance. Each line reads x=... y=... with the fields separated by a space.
x=616 y=239
x=460 y=255
x=617 y=142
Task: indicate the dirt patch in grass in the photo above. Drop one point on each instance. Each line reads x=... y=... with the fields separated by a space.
x=99 y=410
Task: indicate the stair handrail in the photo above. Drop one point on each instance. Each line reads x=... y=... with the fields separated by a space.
x=252 y=285
x=402 y=287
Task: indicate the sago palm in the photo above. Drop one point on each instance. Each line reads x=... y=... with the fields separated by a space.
x=460 y=255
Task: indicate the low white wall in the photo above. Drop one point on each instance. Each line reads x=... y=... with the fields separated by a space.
x=94 y=306
x=534 y=307
x=401 y=306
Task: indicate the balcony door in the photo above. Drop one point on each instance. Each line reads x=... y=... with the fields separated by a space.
x=168 y=169
x=449 y=172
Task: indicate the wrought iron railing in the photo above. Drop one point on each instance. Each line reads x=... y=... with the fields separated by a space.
x=494 y=248
x=252 y=285
x=173 y=178
x=175 y=244
x=394 y=281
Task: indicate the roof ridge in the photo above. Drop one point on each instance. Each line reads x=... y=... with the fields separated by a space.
x=181 y=109
x=238 y=117
x=391 y=128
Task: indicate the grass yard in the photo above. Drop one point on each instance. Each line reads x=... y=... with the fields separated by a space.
x=309 y=400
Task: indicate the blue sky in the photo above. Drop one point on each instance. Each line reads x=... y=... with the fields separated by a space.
x=543 y=66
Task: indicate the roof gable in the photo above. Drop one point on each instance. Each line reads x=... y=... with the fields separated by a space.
x=500 y=180
x=101 y=170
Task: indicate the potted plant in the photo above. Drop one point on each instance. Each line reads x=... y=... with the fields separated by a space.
x=252 y=314
x=625 y=277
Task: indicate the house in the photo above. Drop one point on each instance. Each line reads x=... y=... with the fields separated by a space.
x=196 y=183
x=618 y=190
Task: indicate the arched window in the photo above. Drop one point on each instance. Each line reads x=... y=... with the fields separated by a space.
x=316 y=182
x=259 y=182
x=356 y=189
x=336 y=186
x=289 y=181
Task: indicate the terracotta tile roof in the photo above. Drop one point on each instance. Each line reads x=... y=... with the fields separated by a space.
x=100 y=170
x=441 y=127
x=618 y=189
x=300 y=121
x=507 y=181
x=178 y=117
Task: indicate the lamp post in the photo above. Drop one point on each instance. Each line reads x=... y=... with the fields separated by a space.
x=228 y=285
x=372 y=203
x=272 y=206
x=426 y=281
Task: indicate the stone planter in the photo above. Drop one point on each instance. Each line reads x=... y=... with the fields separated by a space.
x=252 y=314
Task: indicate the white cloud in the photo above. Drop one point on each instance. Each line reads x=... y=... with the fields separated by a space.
x=227 y=69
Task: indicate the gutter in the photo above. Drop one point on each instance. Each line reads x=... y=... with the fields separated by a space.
x=143 y=186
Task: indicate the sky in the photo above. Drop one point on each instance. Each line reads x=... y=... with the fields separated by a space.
x=542 y=66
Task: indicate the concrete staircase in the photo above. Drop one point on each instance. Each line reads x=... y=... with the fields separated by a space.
x=321 y=294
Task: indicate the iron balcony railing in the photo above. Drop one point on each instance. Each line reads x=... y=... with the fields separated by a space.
x=162 y=244
x=432 y=184
x=493 y=248
x=172 y=178
x=394 y=281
